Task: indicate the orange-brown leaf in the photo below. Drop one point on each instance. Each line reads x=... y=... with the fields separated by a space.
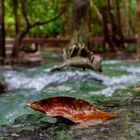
x=76 y=110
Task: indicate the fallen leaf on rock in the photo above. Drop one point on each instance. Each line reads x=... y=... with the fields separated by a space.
x=76 y=110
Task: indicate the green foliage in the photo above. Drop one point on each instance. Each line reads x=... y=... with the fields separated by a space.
x=45 y=9
x=9 y=18
x=133 y=9
x=51 y=29
x=37 y=11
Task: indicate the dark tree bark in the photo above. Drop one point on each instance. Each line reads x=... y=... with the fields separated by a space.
x=80 y=21
x=65 y=18
x=112 y=25
x=108 y=28
x=119 y=39
x=125 y=9
x=138 y=40
x=2 y=31
x=80 y=30
x=16 y=16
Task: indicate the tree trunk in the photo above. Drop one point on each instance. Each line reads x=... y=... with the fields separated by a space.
x=119 y=35
x=80 y=30
x=65 y=18
x=2 y=31
x=15 y=10
x=112 y=24
x=80 y=21
x=18 y=41
x=78 y=54
x=138 y=40
x=124 y=10
x=108 y=27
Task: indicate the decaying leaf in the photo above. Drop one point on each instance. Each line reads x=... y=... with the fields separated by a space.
x=76 y=110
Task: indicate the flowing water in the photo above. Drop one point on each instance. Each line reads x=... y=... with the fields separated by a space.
x=110 y=91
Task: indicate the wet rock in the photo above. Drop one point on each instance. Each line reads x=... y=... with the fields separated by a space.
x=34 y=119
x=136 y=111
x=2 y=84
x=134 y=102
x=112 y=130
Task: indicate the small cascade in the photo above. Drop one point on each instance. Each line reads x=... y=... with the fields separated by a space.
x=128 y=80
x=19 y=80
x=131 y=69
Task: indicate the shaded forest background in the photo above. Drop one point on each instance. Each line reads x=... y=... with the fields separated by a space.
x=123 y=10
x=113 y=20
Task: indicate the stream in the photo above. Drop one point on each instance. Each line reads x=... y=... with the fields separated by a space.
x=110 y=91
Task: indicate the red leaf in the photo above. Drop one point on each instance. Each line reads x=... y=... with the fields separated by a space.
x=76 y=110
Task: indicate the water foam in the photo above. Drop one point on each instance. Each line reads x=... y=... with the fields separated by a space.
x=19 y=80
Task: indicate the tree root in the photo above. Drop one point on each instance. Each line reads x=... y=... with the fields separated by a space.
x=81 y=62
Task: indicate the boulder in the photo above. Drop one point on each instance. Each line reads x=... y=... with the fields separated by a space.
x=2 y=84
